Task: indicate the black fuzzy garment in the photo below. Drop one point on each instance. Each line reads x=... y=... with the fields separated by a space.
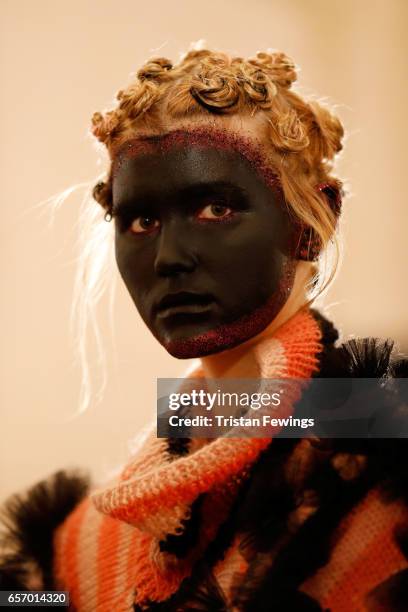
x=29 y=522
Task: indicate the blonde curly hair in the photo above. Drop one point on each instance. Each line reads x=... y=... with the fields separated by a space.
x=301 y=136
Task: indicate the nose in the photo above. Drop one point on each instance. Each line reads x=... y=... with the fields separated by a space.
x=175 y=251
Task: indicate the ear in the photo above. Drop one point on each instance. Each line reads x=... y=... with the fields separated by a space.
x=102 y=193
x=309 y=245
x=333 y=196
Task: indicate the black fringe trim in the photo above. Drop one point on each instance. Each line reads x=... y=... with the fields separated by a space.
x=177 y=447
x=180 y=544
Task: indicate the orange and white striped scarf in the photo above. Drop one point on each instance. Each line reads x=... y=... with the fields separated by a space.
x=108 y=554
x=107 y=551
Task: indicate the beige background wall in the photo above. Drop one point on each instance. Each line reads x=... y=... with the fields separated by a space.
x=62 y=60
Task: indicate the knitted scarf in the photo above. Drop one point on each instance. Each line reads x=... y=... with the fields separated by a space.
x=110 y=552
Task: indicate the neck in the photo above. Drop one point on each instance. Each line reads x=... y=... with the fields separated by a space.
x=241 y=362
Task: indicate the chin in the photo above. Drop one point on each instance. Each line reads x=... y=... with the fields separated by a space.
x=225 y=336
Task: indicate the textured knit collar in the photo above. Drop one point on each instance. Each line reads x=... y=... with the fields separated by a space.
x=155 y=487
x=159 y=489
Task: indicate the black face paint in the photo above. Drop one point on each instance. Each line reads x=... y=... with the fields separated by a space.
x=202 y=244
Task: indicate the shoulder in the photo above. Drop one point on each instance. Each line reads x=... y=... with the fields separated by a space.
x=359 y=357
x=364 y=391
x=28 y=522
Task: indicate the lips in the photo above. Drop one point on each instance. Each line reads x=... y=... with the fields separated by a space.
x=183 y=303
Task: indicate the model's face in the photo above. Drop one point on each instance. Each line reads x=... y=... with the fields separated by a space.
x=201 y=243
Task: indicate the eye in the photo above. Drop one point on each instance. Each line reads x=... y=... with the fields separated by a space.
x=144 y=225
x=215 y=211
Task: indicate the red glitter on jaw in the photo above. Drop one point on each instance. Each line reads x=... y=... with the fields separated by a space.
x=232 y=334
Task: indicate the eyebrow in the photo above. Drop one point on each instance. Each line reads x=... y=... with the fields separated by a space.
x=187 y=194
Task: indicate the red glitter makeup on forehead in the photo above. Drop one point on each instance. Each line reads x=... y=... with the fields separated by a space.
x=304 y=243
x=204 y=138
